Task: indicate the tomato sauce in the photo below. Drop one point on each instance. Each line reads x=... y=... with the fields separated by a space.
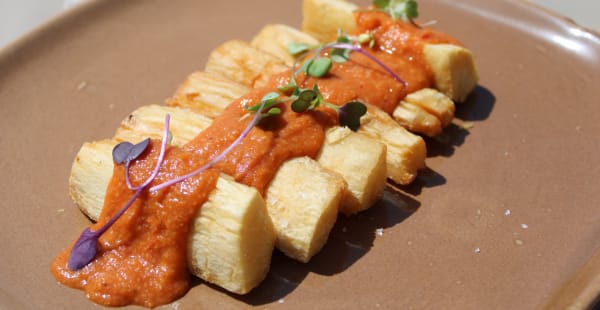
x=398 y=45
x=142 y=258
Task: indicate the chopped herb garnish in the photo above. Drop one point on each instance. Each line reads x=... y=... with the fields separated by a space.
x=85 y=248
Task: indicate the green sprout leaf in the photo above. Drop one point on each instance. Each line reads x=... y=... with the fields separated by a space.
x=307 y=95
x=289 y=88
x=266 y=106
x=274 y=111
x=342 y=38
x=338 y=58
x=350 y=113
x=304 y=101
x=295 y=48
x=381 y=3
x=340 y=55
x=398 y=9
x=319 y=67
x=412 y=9
x=269 y=99
x=300 y=106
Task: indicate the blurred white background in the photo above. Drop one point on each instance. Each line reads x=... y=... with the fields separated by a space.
x=17 y=17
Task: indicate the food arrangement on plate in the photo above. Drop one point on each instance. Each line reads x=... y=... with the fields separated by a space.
x=260 y=150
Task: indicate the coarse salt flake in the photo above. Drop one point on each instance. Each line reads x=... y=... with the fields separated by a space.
x=81 y=85
x=379 y=231
x=283 y=223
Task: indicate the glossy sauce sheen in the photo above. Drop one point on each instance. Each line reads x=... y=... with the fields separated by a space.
x=142 y=258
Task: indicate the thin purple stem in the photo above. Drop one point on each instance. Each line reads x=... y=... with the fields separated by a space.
x=371 y=57
x=120 y=213
x=219 y=157
x=127 y=179
x=161 y=157
x=84 y=250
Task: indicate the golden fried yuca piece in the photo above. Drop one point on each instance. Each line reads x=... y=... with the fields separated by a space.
x=417 y=119
x=454 y=69
x=90 y=173
x=438 y=106
x=275 y=38
x=213 y=90
x=433 y=102
x=323 y=18
x=406 y=152
x=302 y=228
x=364 y=185
x=246 y=63
x=406 y=145
x=453 y=66
x=232 y=239
x=361 y=160
x=244 y=66
x=362 y=188
x=409 y=117
x=304 y=200
x=148 y=122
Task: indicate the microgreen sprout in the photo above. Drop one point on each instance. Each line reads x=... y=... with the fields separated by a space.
x=85 y=248
x=308 y=99
x=125 y=152
x=268 y=100
x=347 y=46
x=350 y=113
x=266 y=107
x=398 y=9
x=297 y=48
x=319 y=65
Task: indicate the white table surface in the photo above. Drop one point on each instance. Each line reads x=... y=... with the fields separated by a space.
x=17 y=17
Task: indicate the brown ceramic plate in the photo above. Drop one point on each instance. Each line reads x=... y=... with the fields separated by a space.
x=506 y=217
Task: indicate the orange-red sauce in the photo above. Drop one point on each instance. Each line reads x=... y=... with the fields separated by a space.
x=398 y=45
x=142 y=258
